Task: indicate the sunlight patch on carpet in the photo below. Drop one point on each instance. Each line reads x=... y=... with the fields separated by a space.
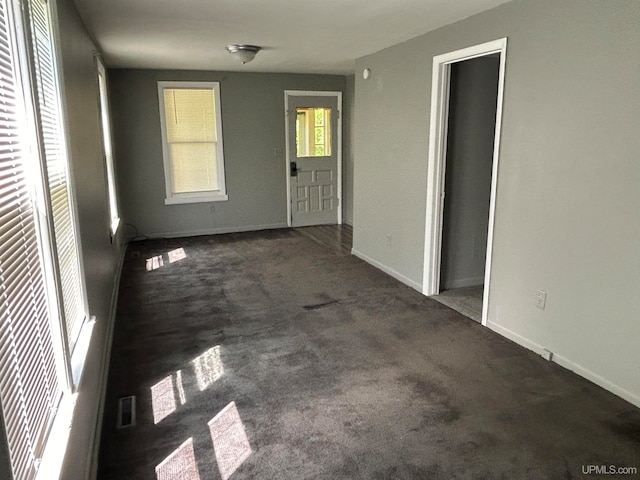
x=163 y=399
x=180 y=387
x=208 y=367
x=154 y=263
x=180 y=465
x=176 y=255
x=230 y=441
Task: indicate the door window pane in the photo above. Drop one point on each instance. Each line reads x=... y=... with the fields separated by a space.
x=313 y=132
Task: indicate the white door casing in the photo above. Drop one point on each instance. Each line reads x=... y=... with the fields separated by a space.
x=437 y=158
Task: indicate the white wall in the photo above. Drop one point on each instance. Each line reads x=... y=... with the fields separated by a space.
x=348 y=123
x=568 y=184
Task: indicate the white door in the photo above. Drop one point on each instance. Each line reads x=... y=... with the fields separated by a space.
x=313 y=134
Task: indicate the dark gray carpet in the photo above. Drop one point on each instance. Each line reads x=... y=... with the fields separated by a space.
x=336 y=371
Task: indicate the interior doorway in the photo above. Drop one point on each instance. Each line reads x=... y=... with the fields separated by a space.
x=314 y=158
x=467 y=94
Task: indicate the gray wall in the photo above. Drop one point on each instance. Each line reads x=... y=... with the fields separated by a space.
x=349 y=100
x=101 y=257
x=472 y=114
x=5 y=461
x=568 y=185
x=254 y=148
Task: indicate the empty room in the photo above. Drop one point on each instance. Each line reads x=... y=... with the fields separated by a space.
x=319 y=240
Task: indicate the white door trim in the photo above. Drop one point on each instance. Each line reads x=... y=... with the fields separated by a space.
x=287 y=157
x=437 y=158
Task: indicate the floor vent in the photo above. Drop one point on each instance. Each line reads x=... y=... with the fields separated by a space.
x=126 y=412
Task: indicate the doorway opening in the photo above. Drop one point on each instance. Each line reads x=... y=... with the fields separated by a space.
x=467 y=92
x=313 y=157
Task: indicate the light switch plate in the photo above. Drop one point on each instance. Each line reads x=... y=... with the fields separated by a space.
x=541 y=299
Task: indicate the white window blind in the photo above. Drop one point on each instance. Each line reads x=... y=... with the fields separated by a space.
x=191 y=135
x=29 y=389
x=53 y=140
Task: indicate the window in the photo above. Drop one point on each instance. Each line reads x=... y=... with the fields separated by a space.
x=29 y=388
x=54 y=150
x=192 y=141
x=105 y=119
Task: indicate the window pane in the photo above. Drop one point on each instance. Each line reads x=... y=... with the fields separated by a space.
x=194 y=167
x=50 y=119
x=190 y=115
x=105 y=121
x=313 y=132
x=191 y=139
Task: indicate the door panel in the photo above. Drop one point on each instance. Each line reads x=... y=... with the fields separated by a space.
x=313 y=146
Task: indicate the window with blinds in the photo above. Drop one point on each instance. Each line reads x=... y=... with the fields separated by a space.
x=192 y=141
x=29 y=389
x=108 y=152
x=54 y=150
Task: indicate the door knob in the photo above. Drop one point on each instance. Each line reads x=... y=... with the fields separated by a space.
x=294 y=169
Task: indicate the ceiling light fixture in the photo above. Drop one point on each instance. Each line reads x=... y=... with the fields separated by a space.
x=244 y=53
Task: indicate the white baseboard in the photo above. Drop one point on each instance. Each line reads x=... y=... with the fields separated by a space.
x=94 y=449
x=216 y=231
x=597 y=379
x=511 y=335
x=389 y=271
x=463 y=282
x=567 y=363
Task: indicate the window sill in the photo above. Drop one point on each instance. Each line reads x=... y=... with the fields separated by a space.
x=196 y=199
x=115 y=223
x=55 y=448
x=80 y=350
x=50 y=466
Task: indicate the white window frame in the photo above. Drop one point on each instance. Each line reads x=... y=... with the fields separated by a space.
x=49 y=16
x=107 y=145
x=219 y=195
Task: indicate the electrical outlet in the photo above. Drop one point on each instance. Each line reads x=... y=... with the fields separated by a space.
x=541 y=299
x=388 y=240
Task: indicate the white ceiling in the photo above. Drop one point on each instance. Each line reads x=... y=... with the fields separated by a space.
x=301 y=36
